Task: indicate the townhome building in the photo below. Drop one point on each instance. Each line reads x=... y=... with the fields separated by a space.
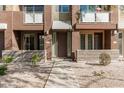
x=63 y=31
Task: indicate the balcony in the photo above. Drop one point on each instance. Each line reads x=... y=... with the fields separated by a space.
x=61 y=21
x=33 y=18
x=96 y=17
x=97 y=20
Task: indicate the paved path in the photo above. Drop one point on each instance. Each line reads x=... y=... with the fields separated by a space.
x=62 y=76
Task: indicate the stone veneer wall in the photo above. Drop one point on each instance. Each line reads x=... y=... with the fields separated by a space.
x=23 y=55
x=93 y=55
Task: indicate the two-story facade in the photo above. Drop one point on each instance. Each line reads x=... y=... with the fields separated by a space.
x=61 y=30
x=24 y=27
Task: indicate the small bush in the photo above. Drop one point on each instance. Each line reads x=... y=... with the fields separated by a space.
x=7 y=59
x=104 y=59
x=3 y=69
x=35 y=59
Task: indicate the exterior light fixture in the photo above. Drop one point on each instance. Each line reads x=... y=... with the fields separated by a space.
x=115 y=32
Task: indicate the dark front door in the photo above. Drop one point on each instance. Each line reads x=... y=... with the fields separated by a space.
x=1 y=42
x=98 y=41
x=62 y=44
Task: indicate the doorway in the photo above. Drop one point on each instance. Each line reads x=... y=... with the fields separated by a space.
x=98 y=40
x=29 y=41
x=62 y=44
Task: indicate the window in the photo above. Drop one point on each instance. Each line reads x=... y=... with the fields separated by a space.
x=63 y=8
x=87 y=8
x=86 y=41
x=33 y=13
x=90 y=41
x=82 y=41
x=39 y=8
x=29 y=8
x=92 y=8
x=33 y=8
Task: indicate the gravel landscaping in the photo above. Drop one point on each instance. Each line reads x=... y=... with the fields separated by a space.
x=64 y=74
x=22 y=75
x=112 y=77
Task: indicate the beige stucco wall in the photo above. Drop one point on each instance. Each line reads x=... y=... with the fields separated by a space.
x=60 y=16
x=12 y=8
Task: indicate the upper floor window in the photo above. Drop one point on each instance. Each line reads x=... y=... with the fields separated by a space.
x=63 y=8
x=33 y=13
x=93 y=8
x=87 y=8
x=33 y=8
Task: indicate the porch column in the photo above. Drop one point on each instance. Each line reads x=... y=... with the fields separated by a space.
x=8 y=31
x=48 y=45
x=47 y=29
x=75 y=43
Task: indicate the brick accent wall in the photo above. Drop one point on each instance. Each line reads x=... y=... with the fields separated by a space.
x=93 y=55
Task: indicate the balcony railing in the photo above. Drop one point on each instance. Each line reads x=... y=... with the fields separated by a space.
x=95 y=17
x=33 y=17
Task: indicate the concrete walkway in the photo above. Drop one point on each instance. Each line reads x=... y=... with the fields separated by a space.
x=62 y=76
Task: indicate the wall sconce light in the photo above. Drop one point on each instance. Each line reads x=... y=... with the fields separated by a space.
x=114 y=32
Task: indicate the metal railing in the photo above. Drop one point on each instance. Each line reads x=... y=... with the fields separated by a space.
x=95 y=17
x=33 y=18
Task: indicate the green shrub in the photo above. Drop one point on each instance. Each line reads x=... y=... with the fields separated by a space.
x=35 y=59
x=3 y=69
x=7 y=59
x=104 y=59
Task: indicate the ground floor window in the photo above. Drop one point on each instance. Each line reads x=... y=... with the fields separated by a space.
x=82 y=41
x=29 y=42
x=32 y=41
x=91 y=41
x=40 y=42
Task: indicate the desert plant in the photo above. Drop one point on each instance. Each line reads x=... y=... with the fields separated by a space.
x=35 y=59
x=7 y=59
x=3 y=69
x=104 y=59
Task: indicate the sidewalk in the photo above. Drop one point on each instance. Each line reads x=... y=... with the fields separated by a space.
x=62 y=76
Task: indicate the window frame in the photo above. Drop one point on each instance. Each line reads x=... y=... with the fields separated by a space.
x=33 y=9
x=33 y=12
x=60 y=8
